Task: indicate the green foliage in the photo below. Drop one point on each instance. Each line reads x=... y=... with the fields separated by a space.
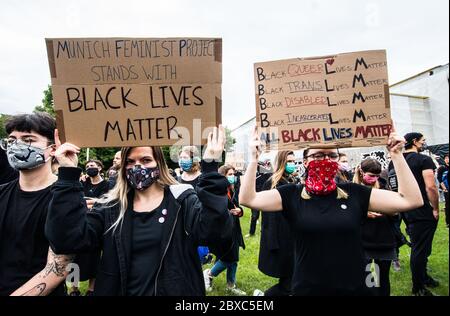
x=230 y=140
x=3 y=119
x=47 y=103
x=105 y=155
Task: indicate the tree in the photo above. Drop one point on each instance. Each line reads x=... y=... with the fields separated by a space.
x=230 y=140
x=105 y=155
x=47 y=103
x=3 y=119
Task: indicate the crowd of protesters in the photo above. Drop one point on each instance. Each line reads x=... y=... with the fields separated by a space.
x=142 y=229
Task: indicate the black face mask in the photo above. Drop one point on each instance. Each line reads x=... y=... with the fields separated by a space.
x=92 y=172
x=142 y=178
x=424 y=147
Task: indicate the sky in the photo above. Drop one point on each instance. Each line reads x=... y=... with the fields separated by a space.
x=415 y=34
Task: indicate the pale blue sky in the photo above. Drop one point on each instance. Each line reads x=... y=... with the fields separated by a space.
x=415 y=33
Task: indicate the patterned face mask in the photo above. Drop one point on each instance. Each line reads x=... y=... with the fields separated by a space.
x=186 y=164
x=142 y=178
x=26 y=157
x=321 y=177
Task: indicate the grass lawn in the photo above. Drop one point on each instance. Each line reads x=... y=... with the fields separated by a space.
x=250 y=278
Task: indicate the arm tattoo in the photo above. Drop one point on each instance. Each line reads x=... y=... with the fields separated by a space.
x=36 y=291
x=57 y=264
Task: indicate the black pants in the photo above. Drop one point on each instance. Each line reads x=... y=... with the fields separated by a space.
x=422 y=234
x=447 y=219
x=283 y=288
x=384 y=289
x=255 y=217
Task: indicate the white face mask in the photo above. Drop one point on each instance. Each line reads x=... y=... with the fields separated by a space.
x=26 y=157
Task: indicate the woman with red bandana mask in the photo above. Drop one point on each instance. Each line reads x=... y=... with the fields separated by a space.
x=378 y=230
x=325 y=218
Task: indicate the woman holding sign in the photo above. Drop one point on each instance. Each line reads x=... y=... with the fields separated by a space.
x=148 y=227
x=325 y=218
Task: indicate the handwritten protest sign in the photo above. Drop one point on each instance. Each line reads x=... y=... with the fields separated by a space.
x=113 y=92
x=235 y=159
x=340 y=100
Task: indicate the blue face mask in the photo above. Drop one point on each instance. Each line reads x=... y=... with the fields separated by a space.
x=185 y=164
x=231 y=179
x=290 y=168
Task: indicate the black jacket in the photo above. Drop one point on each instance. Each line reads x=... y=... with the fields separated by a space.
x=7 y=173
x=276 y=253
x=195 y=219
x=232 y=254
x=379 y=233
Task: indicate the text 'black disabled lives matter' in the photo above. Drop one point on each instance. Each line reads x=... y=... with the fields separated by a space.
x=114 y=92
x=340 y=100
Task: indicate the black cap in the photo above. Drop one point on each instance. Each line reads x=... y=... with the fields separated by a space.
x=410 y=137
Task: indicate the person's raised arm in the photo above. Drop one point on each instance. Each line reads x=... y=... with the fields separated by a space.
x=265 y=200
x=206 y=215
x=70 y=228
x=408 y=196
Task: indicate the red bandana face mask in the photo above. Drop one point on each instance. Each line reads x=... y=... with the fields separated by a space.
x=321 y=174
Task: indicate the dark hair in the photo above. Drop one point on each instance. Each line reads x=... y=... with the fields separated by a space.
x=410 y=138
x=306 y=152
x=39 y=122
x=97 y=162
x=371 y=165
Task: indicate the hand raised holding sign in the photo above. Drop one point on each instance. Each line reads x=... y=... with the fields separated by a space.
x=216 y=144
x=66 y=153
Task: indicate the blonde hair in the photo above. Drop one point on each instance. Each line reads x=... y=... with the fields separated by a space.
x=341 y=194
x=280 y=163
x=194 y=154
x=119 y=194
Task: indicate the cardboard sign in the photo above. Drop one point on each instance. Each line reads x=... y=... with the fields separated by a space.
x=333 y=101
x=236 y=160
x=115 y=92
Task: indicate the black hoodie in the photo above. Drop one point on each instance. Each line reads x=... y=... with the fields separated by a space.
x=195 y=218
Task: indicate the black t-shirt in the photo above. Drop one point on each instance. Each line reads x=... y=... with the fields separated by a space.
x=95 y=190
x=329 y=256
x=192 y=182
x=23 y=246
x=145 y=252
x=7 y=173
x=418 y=163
